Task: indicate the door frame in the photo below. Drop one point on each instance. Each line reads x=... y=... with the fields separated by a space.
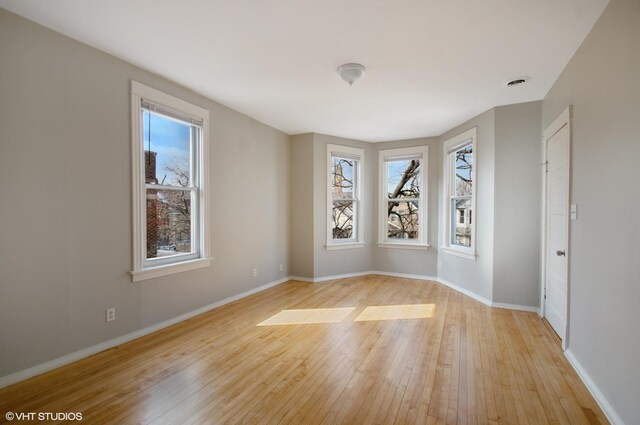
x=564 y=119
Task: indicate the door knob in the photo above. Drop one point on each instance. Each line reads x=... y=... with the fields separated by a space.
x=561 y=253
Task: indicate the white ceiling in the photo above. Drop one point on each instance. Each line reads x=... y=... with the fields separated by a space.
x=431 y=64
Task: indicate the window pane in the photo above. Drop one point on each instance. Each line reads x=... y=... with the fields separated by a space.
x=461 y=220
x=168 y=222
x=342 y=220
x=402 y=220
x=403 y=178
x=167 y=150
x=342 y=177
x=464 y=165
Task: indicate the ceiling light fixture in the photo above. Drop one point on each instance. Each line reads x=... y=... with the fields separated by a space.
x=350 y=72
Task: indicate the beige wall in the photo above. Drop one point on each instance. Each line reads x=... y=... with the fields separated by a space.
x=65 y=180
x=601 y=82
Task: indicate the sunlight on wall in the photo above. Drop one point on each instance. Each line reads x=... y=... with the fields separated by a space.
x=396 y=312
x=308 y=316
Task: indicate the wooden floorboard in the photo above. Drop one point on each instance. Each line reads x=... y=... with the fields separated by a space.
x=465 y=364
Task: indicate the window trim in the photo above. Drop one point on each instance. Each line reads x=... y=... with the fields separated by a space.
x=451 y=145
x=142 y=269
x=422 y=243
x=358 y=241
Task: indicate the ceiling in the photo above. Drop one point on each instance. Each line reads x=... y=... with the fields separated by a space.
x=431 y=64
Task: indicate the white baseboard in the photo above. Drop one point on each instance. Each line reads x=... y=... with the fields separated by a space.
x=468 y=293
x=406 y=275
x=89 y=351
x=301 y=278
x=365 y=273
x=516 y=307
x=332 y=277
x=341 y=276
x=602 y=401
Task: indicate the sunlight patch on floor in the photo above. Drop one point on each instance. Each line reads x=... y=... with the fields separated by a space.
x=396 y=312
x=308 y=316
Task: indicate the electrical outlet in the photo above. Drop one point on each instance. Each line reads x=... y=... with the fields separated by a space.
x=255 y=272
x=281 y=267
x=439 y=264
x=111 y=314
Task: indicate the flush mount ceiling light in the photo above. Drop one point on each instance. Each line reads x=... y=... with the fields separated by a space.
x=517 y=81
x=350 y=72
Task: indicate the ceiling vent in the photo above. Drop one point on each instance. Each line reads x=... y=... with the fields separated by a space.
x=517 y=81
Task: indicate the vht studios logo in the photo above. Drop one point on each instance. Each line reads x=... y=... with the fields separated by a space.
x=43 y=416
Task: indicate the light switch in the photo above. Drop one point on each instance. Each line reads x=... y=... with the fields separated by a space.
x=574 y=211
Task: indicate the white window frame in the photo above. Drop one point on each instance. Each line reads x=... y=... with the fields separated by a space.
x=142 y=267
x=358 y=223
x=450 y=146
x=423 y=232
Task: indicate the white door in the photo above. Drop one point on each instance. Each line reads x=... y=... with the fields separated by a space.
x=557 y=230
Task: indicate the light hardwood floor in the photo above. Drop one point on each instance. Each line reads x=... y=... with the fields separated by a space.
x=461 y=363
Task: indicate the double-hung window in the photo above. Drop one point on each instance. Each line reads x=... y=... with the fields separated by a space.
x=344 y=200
x=169 y=178
x=403 y=198
x=459 y=203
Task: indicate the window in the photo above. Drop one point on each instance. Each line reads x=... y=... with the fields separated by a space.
x=459 y=203
x=169 y=146
x=344 y=205
x=403 y=198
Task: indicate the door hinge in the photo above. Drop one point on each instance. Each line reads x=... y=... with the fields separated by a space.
x=546 y=166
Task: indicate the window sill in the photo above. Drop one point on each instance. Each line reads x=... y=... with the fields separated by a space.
x=153 y=272
x=347 y=245
x=458 y=253
x=421 y=247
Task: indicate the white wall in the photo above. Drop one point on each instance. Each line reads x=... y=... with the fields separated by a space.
x=65 y=204
x=601 y=82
